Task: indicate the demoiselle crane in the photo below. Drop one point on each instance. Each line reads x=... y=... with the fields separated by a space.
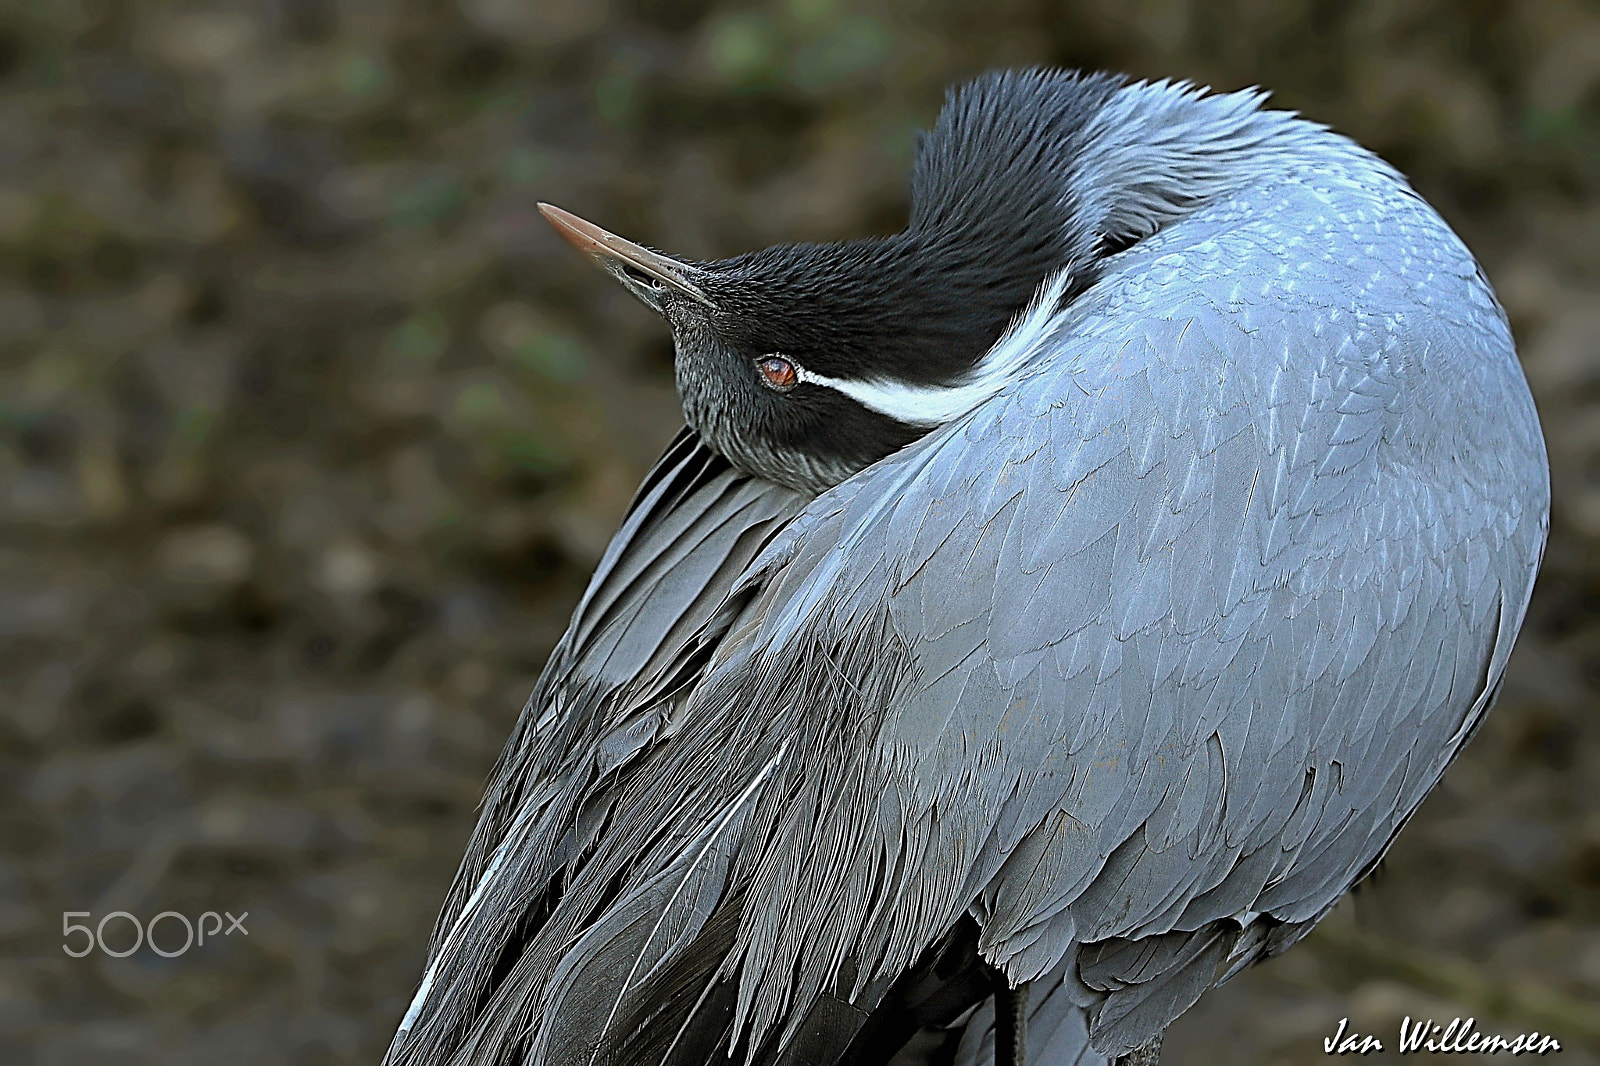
x=1048 y=611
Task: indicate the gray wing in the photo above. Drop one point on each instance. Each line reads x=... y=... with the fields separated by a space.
x=1180 y=631
x=1138 y=667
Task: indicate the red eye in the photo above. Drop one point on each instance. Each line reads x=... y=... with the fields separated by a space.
x=778 y=372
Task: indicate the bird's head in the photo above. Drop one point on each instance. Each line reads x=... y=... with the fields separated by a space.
x=805 y=363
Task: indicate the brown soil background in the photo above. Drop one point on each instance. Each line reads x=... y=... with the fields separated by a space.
x=310 y=432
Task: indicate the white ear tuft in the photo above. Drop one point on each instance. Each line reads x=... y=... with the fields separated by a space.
x=934 y=405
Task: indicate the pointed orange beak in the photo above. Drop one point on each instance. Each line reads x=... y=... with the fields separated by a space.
x=614 y=253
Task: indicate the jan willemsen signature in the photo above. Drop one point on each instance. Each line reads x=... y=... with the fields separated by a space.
x=1459 y=1036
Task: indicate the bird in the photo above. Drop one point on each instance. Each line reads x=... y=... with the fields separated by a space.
x=1046 y=611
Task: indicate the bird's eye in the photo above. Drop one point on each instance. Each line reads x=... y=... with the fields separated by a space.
x=778 y=373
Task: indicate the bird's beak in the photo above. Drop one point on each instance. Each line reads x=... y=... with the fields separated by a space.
x=619 y=257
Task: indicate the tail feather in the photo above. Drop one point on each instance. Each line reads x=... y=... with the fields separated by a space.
x=1058 y=1031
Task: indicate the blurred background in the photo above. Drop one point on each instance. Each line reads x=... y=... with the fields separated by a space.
x=310 y=432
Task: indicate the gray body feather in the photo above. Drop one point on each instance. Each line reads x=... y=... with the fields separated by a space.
x=1137 y=666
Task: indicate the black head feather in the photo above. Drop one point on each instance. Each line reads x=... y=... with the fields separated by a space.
x=993 y=214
